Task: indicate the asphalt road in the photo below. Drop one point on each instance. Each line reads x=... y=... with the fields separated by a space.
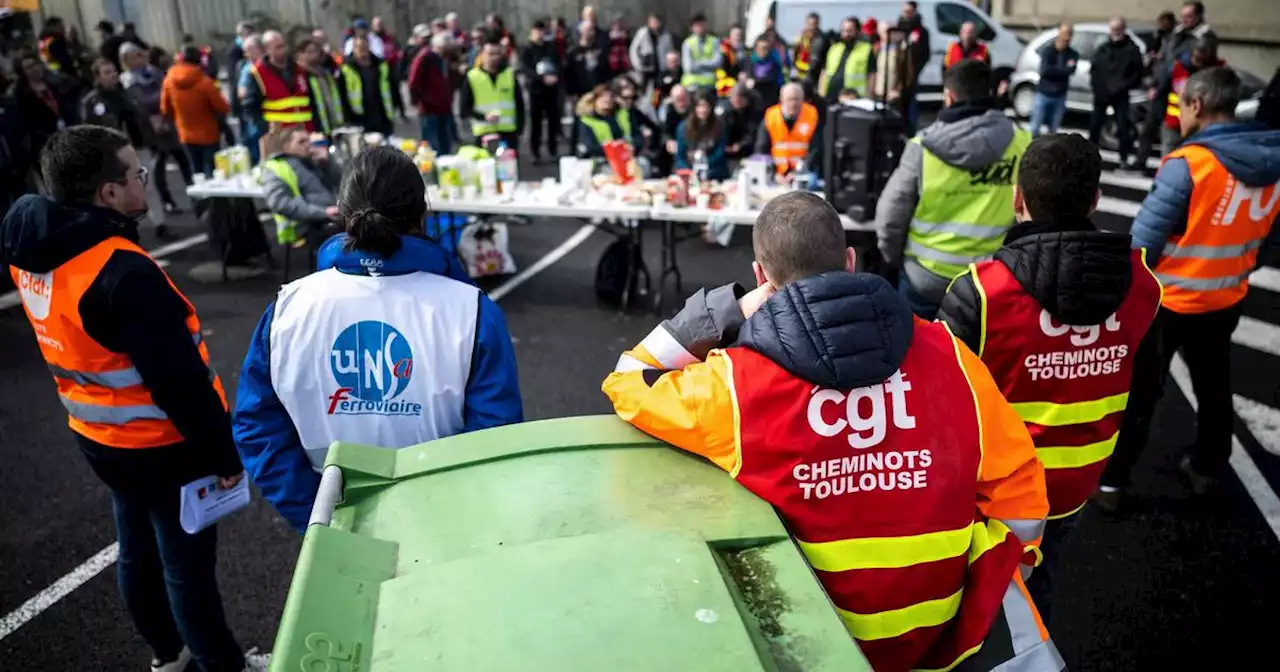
x=1179 y=584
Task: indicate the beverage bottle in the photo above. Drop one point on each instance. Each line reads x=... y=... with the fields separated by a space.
x=508 y=168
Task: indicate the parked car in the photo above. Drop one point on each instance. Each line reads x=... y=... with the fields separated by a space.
x=942 y=18
x=1086 y=40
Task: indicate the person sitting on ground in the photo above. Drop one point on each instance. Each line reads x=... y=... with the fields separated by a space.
x=942 y=490
x=703 y=132
x=601 y=122
x=195 y=103
x=300 y=182
x=382 y=289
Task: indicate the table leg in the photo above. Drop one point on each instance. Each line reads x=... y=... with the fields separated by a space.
x=670 y=265
x=637 y=267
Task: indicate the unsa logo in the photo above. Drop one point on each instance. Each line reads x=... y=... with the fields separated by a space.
x=373 y=360
x=1080 y=336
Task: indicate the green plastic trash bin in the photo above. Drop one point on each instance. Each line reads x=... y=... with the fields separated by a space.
x=567 y=545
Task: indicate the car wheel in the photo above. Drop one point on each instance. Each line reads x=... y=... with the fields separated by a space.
x=1024 y=99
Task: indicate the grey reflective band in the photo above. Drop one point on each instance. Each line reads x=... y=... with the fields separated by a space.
x=116 y=380
x=1020 y=616
x=1026 y=530
x=916 y=249
x=1202 y=284
x=1175 y=251
x=975 y=231
x=1043 y=658
x=111 y=415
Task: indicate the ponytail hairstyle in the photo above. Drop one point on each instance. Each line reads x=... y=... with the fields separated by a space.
x=382 y=198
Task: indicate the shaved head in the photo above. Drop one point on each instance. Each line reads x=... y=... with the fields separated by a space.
x=798 y=235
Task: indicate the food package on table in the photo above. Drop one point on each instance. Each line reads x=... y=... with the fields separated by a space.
x=678 y=189
x=622 y=160
x=485 y=250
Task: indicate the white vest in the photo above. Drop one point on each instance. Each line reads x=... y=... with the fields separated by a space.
x=382 y=361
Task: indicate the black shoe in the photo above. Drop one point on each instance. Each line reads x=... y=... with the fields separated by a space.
x=1200 y=484
x=1109 y=500
x=162 y=232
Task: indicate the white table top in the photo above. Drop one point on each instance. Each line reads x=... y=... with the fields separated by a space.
x=244 y=187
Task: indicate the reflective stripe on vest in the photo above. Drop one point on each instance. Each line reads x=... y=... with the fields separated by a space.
x=498 y=96
x=330 y=103
x=603 y=132
x=1069 y=384
x=962 y=215
x=855 y=67
x=900 y=574
x=1207 y=267
x=692 y=80
x=286 y=229
x=355 y=88
x=106 y=399
x=281 y=103
x=790 y=145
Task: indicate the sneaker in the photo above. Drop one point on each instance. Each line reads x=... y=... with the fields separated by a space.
x=1200 y=484
x=172 y=209
x=176 y=665
x=1109 y=500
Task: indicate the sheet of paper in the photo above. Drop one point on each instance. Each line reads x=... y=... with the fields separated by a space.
x=204 y=504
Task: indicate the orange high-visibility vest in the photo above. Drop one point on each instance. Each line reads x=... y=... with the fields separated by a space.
x=1069 y=384
x=790 y=145
x=283 y=102
x=106 y=399
x=1207 y=267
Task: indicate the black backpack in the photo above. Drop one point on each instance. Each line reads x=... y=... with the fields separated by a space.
x=613 y=271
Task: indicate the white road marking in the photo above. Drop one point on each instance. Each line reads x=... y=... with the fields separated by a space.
x=1256 y=334
x=1118 y=206
x=541 y=265
x=58 y=590
x=1244 y=466
x=1267 y=278
x=10 y=299
x=1262 y=420
x=1134 y=181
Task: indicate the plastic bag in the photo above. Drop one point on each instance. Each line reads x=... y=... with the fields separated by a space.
x=484 y=248
x=622 y=161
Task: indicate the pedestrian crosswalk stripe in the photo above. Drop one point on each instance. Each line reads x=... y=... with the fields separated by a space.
x=1256 y=334
x=1267 y=278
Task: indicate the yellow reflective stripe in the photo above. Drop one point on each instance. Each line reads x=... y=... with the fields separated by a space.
x=1050 y=414
x=982 y=308
x=287 y=117
x=286 y=103
x=886 y=552
x=960 y=659
x=1173 y=98
x=1071 y=457
x=895 y=622
x=986 y=537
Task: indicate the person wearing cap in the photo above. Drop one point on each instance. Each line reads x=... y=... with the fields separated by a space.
x=700 y=55
x=419 y=39
x=360 y=27
x=908 y=482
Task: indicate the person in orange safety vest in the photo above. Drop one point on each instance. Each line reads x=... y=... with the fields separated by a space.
x=789 y=131
x=968 y=47
x=1211 y=208
x=127 y=354
x=910 y=484
x=1057 y=317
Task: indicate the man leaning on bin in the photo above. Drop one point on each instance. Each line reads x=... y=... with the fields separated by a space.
x=910 y=484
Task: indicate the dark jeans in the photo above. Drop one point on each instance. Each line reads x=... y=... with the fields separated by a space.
x=168 y=581
x=1205 y=342
x=159 y=176
x=1150 y=132
x=544 y=110
x=201 y=157
x=1124 y=125
x=439 y=131
x=1040 y=585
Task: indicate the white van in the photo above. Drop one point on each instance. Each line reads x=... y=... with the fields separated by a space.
x=942 y=18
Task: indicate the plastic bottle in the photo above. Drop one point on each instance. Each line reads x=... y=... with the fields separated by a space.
x=700 y=168
x=508 y=168
x=801 y=177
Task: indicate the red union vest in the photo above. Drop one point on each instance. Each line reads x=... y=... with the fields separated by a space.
x=282 y=102
x=878 y=485
x=1069 y=384
x=1177 y=82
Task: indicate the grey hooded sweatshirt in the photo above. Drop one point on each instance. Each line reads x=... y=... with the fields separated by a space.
x=967 y=136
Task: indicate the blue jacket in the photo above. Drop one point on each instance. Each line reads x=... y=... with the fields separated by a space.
x=717 y=160
x=265 y=435
x=1249 y=151
x=1056 y=69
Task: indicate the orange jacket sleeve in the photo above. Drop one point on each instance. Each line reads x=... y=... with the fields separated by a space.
x=1011 y=485
x=216 y=99
x=166 y=99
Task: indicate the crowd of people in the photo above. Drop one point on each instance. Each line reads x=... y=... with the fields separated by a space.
x=1041 y=341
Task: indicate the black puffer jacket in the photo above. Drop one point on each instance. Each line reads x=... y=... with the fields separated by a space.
x=1079 y=274
x=838 y=330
